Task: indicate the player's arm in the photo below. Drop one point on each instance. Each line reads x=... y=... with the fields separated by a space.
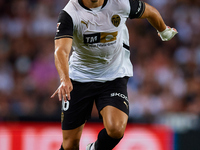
x=61 y=56
x=153 y=16
x=63 y=44
x=143 y=10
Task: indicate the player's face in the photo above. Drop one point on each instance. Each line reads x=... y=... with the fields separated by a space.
x=93 y=3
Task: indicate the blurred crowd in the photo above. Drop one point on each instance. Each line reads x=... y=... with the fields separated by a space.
x=166 y=74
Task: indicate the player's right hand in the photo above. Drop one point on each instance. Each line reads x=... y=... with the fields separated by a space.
x=64 y=90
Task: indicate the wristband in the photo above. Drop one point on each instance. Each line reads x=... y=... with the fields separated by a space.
x=167 y=34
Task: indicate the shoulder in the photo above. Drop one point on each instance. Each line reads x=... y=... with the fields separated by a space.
x=121 y=6
x=72 y=9
x=122 y=3
x=72 y=6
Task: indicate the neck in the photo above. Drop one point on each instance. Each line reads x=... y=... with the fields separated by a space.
x=93 y=3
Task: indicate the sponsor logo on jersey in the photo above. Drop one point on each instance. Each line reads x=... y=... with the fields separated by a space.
x=116 y=20
x=92 y=38
x=102 y=37
x=58 y=24
x=119 y=95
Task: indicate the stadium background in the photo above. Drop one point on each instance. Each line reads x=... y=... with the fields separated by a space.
x=164 y=93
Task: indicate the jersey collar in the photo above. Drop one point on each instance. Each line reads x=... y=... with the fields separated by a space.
x=104 y=4
x=81 y=3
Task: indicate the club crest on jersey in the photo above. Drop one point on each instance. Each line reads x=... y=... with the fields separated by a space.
x=116 y=20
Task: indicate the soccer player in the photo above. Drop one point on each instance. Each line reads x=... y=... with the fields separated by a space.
x=99 y=67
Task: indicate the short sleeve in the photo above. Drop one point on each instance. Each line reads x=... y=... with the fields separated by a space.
x=64 y=26
x=137 y=8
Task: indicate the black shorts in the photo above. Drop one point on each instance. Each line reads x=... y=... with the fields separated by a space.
x=76 y=111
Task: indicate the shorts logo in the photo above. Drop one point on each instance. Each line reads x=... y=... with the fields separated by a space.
x=62 y=117
x=119 y=95
x=126 y=104
x=116 y=20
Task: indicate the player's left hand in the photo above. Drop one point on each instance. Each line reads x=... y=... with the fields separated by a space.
x=64 y=90
x=167 y=34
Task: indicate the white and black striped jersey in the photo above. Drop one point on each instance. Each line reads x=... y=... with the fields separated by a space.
x=100 y=38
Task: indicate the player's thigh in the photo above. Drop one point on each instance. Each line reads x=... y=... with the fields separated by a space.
x=113 y=104
x=72 y=137
x=76 y=111
x=114 y=120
